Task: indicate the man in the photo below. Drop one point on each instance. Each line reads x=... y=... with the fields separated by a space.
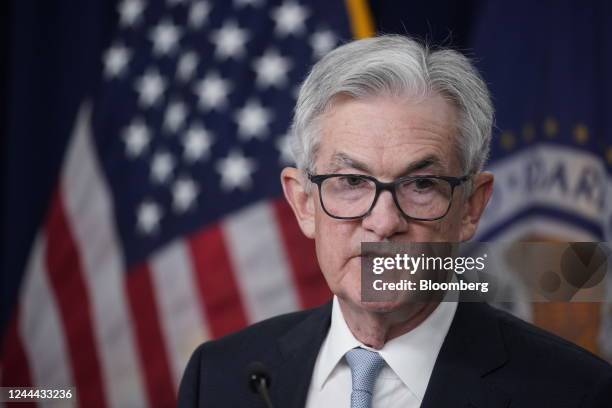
x=380 y=110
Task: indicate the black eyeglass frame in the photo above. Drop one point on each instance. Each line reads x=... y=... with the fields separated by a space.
x=454 y=182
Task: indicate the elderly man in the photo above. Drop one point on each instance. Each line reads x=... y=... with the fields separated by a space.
x=390 y=138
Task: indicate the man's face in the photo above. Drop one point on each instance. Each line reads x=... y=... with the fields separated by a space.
x=385 y=137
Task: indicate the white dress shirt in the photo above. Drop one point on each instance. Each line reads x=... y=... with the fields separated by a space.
x=409 y=359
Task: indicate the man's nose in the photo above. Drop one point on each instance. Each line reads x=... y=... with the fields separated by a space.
x=385 y=219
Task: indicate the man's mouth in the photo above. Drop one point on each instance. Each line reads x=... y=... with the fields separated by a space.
x=375 y=253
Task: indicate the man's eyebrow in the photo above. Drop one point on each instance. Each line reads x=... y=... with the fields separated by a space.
x=426 y=162
x=342 y=160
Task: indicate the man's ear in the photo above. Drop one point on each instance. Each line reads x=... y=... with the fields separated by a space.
x=482 y=188
x=300 y=200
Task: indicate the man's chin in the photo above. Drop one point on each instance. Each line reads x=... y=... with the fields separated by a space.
x=375 y=307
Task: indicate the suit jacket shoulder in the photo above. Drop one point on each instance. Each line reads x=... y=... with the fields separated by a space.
x=507 y=362
x=216 y=374
x=555 y=366
x=255 y=338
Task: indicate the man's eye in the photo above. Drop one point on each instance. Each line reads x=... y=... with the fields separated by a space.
x=423 y=184
x=352 y=181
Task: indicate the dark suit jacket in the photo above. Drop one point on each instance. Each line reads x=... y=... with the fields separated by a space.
x=488 y=359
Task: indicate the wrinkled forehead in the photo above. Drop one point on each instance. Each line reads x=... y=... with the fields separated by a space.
x=389 y=135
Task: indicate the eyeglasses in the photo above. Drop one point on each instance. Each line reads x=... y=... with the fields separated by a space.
x=352 y=196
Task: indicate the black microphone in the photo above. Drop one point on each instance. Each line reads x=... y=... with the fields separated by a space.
x=259 y=381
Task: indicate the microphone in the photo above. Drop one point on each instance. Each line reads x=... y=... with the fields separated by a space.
x=259 y=381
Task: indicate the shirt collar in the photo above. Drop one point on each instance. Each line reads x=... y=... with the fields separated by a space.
x=411 y=356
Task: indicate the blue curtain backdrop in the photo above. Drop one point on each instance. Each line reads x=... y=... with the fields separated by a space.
x=52 y=53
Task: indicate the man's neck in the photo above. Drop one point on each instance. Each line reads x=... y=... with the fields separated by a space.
x=374 y=328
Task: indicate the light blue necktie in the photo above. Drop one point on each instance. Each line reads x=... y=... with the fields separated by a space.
x=365 y=366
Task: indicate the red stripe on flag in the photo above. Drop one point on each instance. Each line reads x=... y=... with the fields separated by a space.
x=216 y=282
x=310 y=283
x=15 y=369
x=66 y=278
x=151 y=344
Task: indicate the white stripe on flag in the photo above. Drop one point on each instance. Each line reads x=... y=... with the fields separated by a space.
x=90 y=215
x=40 y=325
x=180 y=309
x=263 y=272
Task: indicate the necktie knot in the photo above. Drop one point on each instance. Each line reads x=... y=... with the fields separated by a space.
x=365 y=367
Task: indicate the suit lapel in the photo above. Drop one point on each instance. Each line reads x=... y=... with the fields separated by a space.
x=294 y=364
x=472 y=349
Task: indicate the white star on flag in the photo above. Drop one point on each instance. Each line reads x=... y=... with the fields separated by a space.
x=271 y=69
x=175 y=2
x=290 y=18
x=184 y=193
x=322 y=42
x=136 y=137
x=175 y=116
x=197 y=143
x=116 y=59
x=229 y=40
x=284 y=147
x=162 y=167
x=150 y=88
x=235 y=171
x=253 y=120
x=187 y=65
x=165 y=37
x=244 y=3
x=198 y=14
x=149 y=215
x=130 y=12
x=212 y=92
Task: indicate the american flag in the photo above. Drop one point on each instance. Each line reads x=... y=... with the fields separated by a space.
x=167 y=226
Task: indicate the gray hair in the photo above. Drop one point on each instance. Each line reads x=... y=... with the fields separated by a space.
x=395 y=65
